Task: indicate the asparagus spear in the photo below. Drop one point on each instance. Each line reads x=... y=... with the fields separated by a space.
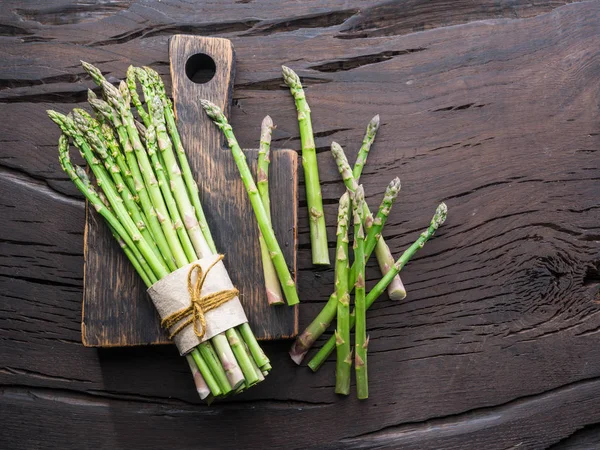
x=167 y=196
x=318 y=231
x=92 y=131
x=285 y=278
x=176 y=181
x=396 y=290
x=375 y=226
x=342 y=333
x=68 y=127
x=242 y=357
x=361 y=341
x=437 y=220
x=361 y=159
x=188 y=177
x=201 y=386
x=140 y=188
x=118 y=102
x=274 y=295
x=322 y=321
x=257 y=353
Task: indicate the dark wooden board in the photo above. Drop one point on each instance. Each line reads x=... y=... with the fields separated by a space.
x=116 y=310
x=495 y=347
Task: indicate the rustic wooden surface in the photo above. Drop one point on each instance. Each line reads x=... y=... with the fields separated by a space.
x=491 y=106
x=133 y=320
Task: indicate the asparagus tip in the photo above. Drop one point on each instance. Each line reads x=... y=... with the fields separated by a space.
x=267 y=122
x=440 y=215
x=374 y=123
x=393 y=189
x=290 y=77
x=211 y=109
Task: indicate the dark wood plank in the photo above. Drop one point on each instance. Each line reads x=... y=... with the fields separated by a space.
x=496 y=345
x=116 y=310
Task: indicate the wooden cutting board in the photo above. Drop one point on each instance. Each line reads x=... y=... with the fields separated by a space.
x=116 y=309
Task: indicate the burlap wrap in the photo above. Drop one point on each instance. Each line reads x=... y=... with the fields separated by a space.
x=170 y=295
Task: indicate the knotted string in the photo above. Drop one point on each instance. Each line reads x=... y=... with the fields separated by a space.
x=199 y=305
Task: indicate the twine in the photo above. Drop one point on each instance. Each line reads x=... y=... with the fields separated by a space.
x=199 y=306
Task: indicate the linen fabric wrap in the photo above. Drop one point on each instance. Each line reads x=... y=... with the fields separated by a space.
x=170 y=294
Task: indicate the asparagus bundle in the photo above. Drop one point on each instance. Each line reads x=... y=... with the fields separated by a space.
x=147 y=194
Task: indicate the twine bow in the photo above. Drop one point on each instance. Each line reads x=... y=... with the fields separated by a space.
x=199 y=305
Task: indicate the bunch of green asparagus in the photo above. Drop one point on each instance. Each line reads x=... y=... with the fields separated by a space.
x=146 y=192
x=367 y=239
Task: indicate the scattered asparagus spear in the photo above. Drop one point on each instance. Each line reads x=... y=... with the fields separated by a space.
x=342 y=333
x=361 y=341
x=321 y=322
x=318 y=231
x=274 y=294
x=437 y=220
x=285 y=278
x=382 y=252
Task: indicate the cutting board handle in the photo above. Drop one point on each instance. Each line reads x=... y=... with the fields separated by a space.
x=188 y=54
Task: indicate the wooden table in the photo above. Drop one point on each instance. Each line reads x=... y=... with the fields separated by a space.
x=491 y=106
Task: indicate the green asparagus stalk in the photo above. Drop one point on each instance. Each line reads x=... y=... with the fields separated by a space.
x=131 y=163
x=105 y=182
x=321 y=322
x=85 y=187
x=176 y=181
x=135 y=98
x=167 y=195
x=207 y=374
x=285 y=278
x=93 y=133
x=314 y=199
x=342 y=333
x=190 y=182
x=437 y=220
x=384 y=258
x=209 y=355
x=107 y=136
x=361 y=341
x=375 y=226
x=255 y=349
x=201 y=386
x=115 y=98
x=228 y=361
x=274 y=294
x=241 y=356
x=361 y=159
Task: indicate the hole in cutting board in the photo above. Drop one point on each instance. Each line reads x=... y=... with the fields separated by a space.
x=200 y=68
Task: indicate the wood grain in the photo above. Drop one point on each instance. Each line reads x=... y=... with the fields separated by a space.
x=494 y=110
x=116 y=310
